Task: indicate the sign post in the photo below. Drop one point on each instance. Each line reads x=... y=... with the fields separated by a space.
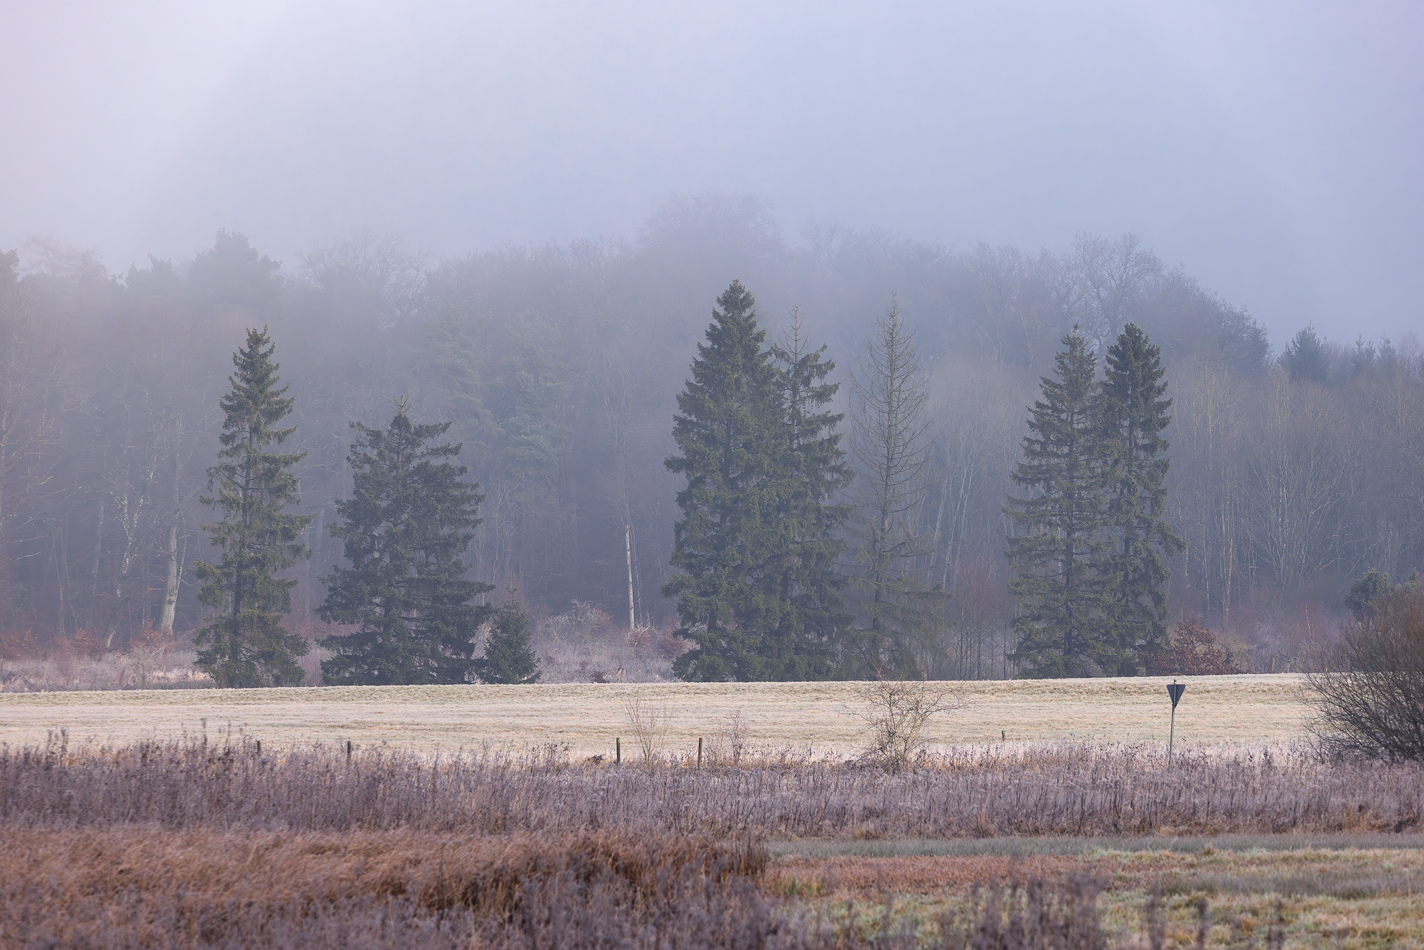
x=1175 y=691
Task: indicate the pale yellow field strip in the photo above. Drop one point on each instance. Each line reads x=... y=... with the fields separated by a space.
x=587 y=717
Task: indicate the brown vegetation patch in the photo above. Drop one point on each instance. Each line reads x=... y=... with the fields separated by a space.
x=202 y=886
x=200 y=867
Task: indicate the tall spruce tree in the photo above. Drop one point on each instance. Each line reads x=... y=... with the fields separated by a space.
x=891 y=452
x=1134 y=416
x=245 y=644
x=404 y=531
x=729 y=544
x=1059 y=546
x=813 y=474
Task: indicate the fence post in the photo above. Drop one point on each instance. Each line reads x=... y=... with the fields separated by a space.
x=617 y=751
x=699 y=752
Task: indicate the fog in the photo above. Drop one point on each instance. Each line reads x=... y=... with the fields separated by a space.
x=1270 y=150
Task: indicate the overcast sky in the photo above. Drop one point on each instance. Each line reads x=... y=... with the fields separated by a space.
x=1272 y=149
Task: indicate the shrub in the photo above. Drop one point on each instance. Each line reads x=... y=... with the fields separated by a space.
x=895 y=713
x=1192 y=651
x=649 y=724
x=1370 y=697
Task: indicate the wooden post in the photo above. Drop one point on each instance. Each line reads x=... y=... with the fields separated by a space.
x=699 y=752
x=617 y=751
x=259 y=748
x=348 y=751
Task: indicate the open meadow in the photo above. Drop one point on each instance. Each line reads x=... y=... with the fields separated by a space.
x=495 y=817
x=587 y=717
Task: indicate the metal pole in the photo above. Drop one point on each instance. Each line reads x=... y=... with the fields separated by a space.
x=1172 y=734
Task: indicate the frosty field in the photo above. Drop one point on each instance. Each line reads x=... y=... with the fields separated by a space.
x=1216 y=710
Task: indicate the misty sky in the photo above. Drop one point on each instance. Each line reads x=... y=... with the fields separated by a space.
x=1272 y=149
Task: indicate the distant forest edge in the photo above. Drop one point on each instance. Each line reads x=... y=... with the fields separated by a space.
x=558 y=369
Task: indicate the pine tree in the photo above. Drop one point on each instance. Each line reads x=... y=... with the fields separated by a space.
x=891 y=451
x=405 y=529
x=814 y=473
x=509 y=656
x=1134 y=417
x=1059 y=546
x=729 y=542
x=1305 y=357
x=245 y=644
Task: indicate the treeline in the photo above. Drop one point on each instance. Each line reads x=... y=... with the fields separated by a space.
x=557 y=369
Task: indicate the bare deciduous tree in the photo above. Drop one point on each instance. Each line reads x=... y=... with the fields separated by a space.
x=1370 y=695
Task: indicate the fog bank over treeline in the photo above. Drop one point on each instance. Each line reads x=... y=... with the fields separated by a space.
x=1294 y=468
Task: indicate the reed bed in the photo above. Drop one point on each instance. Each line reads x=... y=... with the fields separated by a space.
x=1060 y=789
x=136 y=888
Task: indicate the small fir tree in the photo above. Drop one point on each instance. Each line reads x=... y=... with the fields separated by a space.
x=405 y=529
x=1135 y=416
x=509 y=656
x=245 y=644
x=1059 y=545
x=1368 y=591
x=729 y=542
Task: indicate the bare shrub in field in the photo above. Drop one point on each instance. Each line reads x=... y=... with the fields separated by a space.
x=584 y=645
x=895 y=713
x=731 y=744
x=173 y=667
x=649 y=724
x=1370 y=697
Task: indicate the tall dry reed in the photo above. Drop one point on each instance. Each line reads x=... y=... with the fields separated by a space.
x=1058 y=790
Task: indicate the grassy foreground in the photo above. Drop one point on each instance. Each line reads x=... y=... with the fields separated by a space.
x=215 y=842
x=1232 y=710
x=1070 y=845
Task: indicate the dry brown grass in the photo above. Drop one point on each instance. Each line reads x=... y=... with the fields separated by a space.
x=197 y=867
x=1231 y=710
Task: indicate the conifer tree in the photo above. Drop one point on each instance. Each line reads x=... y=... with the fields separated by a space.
x=509 y=656
x=729 y=542
x=1059 y=546
x=891 y=452
x=405 y=529
x=815 y=471
x=1134 y=417
x=245 y=644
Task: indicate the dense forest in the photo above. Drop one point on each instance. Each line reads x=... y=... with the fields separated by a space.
x=558 y=368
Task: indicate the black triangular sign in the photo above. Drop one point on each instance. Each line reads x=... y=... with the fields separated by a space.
x=1175 y=690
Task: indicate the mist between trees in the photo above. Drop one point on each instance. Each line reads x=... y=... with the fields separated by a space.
x=557 y=368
